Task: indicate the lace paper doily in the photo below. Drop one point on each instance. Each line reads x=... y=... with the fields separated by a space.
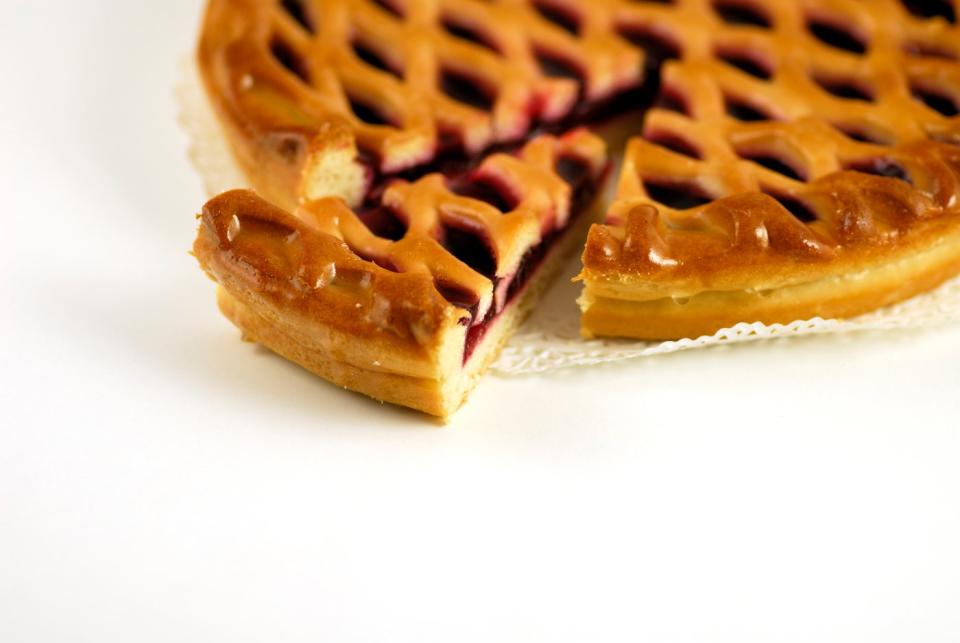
x=550 y=339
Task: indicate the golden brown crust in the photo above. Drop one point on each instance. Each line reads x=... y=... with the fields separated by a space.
x=793 y=205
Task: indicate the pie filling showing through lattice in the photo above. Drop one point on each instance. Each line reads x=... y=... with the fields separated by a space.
x=422 y=163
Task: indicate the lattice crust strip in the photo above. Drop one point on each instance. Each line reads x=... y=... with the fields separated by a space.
x=400 y=249
x=788 y=132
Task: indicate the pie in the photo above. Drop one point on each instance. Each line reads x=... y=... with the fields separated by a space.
x=420 y=167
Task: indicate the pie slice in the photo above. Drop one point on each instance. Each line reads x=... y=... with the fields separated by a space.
x=803 y=160
x=409 y=297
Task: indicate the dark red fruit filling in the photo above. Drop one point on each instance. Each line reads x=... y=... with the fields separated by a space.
x=674 y=143
x=464 y=89
x=483 y=190
x=774 y=163
x=797 y=208
x=849 y=89
x=472 y=249
x=367 y=113
x=742 y=110
x=556 y=66
x=298 y=11
x=559 y=15
x=747 y=62
x=679 y=196
x=464 y=31
x=884 y=167
x=741 y=12
x=931 y=9
x=371 y=57
x=658 y=47
x=286 y=56
x=831 y=31
x=936 y=100
x=383 y=222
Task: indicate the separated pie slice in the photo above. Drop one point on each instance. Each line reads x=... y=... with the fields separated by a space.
x=409 y=297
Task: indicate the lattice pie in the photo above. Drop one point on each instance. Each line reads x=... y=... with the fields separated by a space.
x=420 y=166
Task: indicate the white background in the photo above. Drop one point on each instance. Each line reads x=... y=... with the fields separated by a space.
x=161 y=481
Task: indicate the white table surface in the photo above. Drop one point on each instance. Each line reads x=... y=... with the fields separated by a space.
x=161 y=481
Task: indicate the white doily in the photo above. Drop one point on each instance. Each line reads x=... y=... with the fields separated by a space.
x=550 y=339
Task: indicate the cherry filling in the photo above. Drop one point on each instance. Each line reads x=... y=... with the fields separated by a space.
x=559 y=15
x=741 y=12
x=931 y=9
x=800 y=210
x=464 y=31
x=884 y=167
x=383 y=222
x=297 y=10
